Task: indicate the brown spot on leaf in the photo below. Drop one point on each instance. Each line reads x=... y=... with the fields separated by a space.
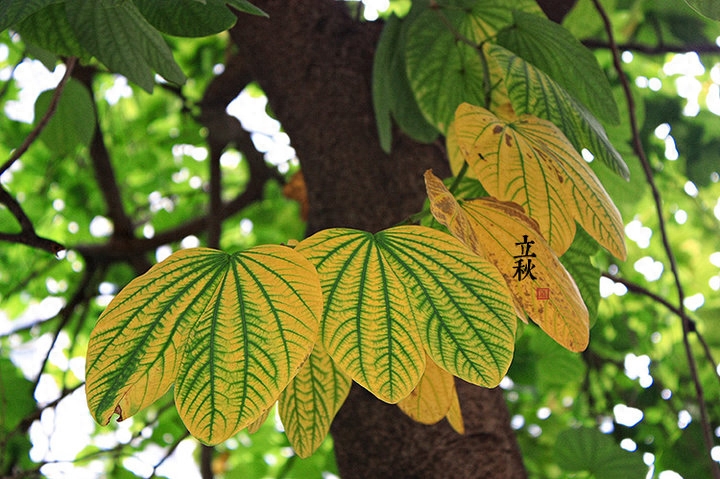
x=508 y=140
x=118 y=411
x=498 y=129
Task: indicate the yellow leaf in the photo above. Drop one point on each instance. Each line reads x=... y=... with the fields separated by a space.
x=230 y=331
x=430 y=401
x=311 y=401
x=501 y=232
x=529 y=161
x=255 y=426
x=454 y=416
x=367 y=326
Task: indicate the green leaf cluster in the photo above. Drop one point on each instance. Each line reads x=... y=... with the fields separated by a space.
x=125 y=36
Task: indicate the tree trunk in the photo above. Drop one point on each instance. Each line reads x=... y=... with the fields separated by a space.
x=314 y=62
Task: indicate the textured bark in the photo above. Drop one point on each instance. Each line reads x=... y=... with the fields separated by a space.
x=314 y=62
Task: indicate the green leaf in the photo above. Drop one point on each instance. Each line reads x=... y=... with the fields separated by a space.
x=686 y=454
x=311 y=401
x=16 y=397
x=14 y=11
x=49 y=29
x=231 y=331
x=390 y=295
x=73 y=122
x=552 y=49
x=16 y=404
x=391 y=90
x=117 y=34
x=707 y=8
x=578 y=261
x=586 y=449
x=190 y=18
x=532 y=91
x=443 y=69
x=247 y=7
x=443 y=72
x=382 y=95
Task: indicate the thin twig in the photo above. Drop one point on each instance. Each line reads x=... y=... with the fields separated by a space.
x=77 y=299
x=637 y=289
x=686 y=324
x=168 y=453
x=69 y=66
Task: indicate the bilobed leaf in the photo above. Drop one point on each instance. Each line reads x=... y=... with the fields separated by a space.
x=431 y=399
x=117 y=34
x=311 y=401
x=549 y=47
x=533 y=92
x=390 y=295
x=501 y=232
x=230 y=331
x=528 y=161
x=367 y=325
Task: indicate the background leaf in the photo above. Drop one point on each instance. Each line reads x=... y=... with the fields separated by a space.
x=708 y=8
x=190 y=18
x=578 y=260
x=73 y=122
x=14 y=11
x=50 y=29
x=586 y=449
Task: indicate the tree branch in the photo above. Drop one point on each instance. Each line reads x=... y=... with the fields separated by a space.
x=27 y=235
x=104 y=171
